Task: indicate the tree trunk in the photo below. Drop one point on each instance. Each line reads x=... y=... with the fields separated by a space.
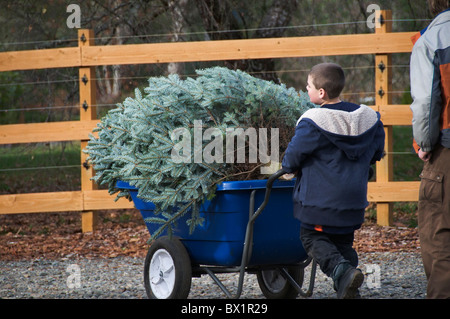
x=272 y=26
x=218 y=15
x=176 y=8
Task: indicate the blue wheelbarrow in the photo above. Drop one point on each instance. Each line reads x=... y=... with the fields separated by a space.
x=233 y=238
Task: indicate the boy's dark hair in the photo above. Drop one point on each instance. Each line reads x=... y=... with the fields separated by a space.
x=437 y=6
x=328 y=76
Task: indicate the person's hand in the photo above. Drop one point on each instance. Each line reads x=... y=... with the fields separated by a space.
x=424 y=156
x=287 y=177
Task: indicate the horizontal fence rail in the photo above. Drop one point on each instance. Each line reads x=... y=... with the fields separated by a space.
x=79 y=130
x=201 y=51
x=87 y=55
x=101 y=200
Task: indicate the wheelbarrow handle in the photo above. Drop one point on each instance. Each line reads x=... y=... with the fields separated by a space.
x=248 y=243
x=269 y=184
x=274 y=177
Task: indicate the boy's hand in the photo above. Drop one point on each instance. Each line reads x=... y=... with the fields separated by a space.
x=287 y=177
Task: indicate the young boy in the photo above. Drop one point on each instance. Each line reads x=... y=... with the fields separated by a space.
x=331 y=153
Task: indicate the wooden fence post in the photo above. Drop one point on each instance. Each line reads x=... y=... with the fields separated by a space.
x=88 y=112
x=383 y=84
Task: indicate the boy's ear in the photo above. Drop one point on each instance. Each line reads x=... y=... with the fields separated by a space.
x=322 y=93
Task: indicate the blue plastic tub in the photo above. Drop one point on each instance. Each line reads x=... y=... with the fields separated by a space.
x=220 y=240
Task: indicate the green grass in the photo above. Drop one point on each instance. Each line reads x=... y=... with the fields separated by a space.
x=41 y=167
x=407 y=165
x=404 y=214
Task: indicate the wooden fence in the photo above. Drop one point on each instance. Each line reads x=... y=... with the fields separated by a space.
x=86 y=56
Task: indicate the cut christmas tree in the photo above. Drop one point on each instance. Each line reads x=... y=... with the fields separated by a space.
x=180 y=138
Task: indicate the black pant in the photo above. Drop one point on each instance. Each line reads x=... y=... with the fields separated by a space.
x=329 y=249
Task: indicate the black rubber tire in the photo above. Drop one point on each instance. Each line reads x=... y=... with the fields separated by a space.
x=170 y=265
x=274 y=286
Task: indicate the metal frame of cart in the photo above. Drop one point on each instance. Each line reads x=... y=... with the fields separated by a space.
x=170 y=264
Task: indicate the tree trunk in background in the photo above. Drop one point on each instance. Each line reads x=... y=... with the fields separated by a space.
x=219 y=16
x=108 y=82
x=176 y=8
x=272 y=26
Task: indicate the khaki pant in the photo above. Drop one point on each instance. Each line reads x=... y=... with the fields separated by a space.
x=434 y=222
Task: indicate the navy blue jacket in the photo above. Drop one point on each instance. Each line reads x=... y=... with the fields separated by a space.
x=331 y=152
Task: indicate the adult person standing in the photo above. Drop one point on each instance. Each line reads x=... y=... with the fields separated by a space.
x=430 y=90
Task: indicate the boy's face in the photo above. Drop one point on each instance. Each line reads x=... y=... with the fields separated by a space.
x=315 y=95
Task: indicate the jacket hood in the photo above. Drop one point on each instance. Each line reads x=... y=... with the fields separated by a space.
x=442 y=17
x=352 y=132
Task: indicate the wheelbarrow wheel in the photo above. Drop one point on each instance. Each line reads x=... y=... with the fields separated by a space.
x=167 y=270
x=274 y=286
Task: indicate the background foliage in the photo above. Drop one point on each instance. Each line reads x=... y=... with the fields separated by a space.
x=52 y=95
x=26 y=25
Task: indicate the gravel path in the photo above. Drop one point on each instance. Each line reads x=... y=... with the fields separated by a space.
x=396 y=275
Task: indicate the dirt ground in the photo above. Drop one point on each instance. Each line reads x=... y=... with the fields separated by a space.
x=123 y=233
